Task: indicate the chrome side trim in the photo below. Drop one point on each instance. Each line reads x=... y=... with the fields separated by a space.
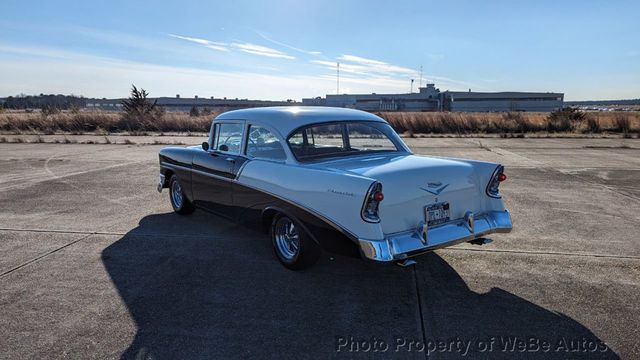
x=204 y=173
x=243 y=165
x=169 y=165
x=322 y=217
x=404 y=245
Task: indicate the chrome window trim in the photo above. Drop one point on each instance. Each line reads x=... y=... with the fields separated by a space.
x=401 y=147
x=211 y=128
x=242 y=136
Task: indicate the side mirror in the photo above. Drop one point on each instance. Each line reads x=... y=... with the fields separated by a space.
x=223 y=147
x=205 y=146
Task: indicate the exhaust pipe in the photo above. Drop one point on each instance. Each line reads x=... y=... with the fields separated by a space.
x=406 y=262
x=480 y=241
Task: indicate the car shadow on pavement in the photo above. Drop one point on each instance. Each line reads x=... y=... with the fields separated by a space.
x=201 y=287
x=499 y=323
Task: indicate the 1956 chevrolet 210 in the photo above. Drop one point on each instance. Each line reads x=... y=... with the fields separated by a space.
x=335 y=179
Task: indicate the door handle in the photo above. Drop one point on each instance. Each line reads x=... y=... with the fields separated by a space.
x=231 y=160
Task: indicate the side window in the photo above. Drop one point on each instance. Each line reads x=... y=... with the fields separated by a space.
x=228 y=137
x=262 y=143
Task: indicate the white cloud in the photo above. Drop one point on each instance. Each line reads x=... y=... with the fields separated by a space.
x=244 y=47
x=344 y=68
x=372 y=84
x=314 y=53
x=361 y=60
x=49 y=70
x=369 y=71
x=261 y=50
x=206 y=43
x=376 y=66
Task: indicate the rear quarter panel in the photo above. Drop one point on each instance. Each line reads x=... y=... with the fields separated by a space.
x=483 y=171
x=334 y=195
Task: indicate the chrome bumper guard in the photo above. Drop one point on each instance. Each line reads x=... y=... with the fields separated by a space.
x=403 y=245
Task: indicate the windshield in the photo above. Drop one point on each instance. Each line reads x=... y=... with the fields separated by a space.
x=343 y=138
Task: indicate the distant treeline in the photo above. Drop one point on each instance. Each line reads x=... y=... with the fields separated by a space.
x=62 y=102
x=604 y=102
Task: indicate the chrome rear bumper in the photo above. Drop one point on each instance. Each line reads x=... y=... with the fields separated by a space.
x=403 y=245
x=161 y=183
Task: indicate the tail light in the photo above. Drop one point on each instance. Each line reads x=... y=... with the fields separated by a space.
x=372 y=203
x=497 y=177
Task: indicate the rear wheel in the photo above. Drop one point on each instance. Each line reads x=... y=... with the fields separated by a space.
x=179 y=201
x=293 y=246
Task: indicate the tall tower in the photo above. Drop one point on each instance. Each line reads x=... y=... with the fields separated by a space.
x=338 y=78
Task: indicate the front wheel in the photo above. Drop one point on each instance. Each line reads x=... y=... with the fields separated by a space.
x=293 y=246
x=179 y=201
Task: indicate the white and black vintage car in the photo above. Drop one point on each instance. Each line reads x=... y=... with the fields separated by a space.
x=335 y=179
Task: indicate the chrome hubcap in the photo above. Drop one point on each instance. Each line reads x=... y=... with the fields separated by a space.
x=176 y=194
x=287 y=238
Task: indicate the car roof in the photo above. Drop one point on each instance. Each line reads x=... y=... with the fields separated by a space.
x=285 y=119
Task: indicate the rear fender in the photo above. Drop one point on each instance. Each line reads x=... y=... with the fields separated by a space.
x=333 y=196
x=483 y=171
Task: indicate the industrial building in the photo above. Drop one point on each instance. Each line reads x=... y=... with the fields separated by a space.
x=185 y=104
x=430 y=98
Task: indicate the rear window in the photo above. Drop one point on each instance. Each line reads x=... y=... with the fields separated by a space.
x=342 y=139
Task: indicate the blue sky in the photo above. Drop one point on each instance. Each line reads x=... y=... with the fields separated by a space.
x=288 y=49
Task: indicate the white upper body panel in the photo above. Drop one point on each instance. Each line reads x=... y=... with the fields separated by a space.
x=285 y=119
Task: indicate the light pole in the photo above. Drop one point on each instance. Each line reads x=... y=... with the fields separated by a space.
x=338 y=78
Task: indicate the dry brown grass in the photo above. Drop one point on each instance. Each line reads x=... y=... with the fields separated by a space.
x=103 y=123
x=99 y=123
x=492 y=123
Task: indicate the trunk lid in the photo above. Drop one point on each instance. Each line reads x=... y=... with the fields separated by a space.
x=410 y=183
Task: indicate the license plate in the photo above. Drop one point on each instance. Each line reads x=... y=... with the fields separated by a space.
x=437 y=214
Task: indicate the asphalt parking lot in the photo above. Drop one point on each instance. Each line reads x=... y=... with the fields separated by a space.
x=95 y=265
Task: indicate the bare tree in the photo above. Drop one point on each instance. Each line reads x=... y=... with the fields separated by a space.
x=137 y=105
x=139 y=112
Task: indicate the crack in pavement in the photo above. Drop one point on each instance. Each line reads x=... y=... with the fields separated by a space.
x=113 y=233
x=53 y=177
x=595 y=183
x=26 y=263
x=420 y=311
x=88 y=234
x=553 y=253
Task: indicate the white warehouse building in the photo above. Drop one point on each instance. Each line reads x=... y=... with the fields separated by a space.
x=430 y=98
